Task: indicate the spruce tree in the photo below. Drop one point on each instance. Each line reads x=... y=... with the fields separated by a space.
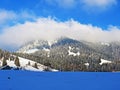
x=4 y=63
x=17 y=63
x=35 y=65
x=29 y=63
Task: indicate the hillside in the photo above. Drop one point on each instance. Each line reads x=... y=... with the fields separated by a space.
x=67 y=54
x=9 y=61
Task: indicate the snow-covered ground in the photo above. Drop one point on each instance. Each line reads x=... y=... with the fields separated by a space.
x=104 y=61
x=105 y=43
x=24 y=63
x=72 y=53
x=27 y=64
x=87 y=64
x=51 y=42
x=31 y=51
x=46 y=49
x=24 y=80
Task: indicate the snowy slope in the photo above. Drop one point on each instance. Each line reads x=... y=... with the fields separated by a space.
x=36 y=45
x=31 y=51
x=33 y=46
x=26 y=64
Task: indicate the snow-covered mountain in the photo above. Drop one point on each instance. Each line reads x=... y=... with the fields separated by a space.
x=73 y=55
x=47 y=46
x=33 y=46
x=70 y=47
x=36 y=45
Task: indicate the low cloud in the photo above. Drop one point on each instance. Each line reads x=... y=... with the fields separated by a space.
x=51 y=29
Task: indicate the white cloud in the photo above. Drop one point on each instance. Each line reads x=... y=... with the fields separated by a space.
x=10 y=17
x=90 y=5
x=50 y=29
x=6 y=15
x=97 y=5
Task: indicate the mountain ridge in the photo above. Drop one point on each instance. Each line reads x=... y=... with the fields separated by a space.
x=99 y=47
x=67 y=54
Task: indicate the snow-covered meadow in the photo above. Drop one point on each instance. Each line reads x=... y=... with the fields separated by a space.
x=29 y=80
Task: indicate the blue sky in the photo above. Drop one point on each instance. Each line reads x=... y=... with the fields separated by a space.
x=67 y=9
x=103 y=15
